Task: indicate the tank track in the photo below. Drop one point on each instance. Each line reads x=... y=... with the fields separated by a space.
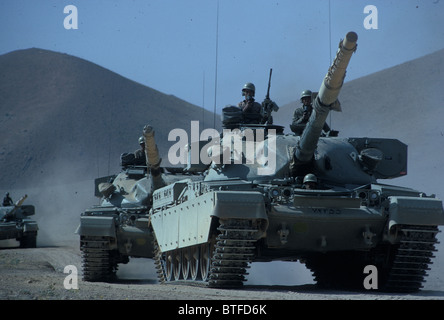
x=231 y=251
x=98 y=262
x=157 y=256
x=412 y=258
x=402 y=267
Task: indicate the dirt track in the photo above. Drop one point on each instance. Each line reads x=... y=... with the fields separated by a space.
x=38 y=274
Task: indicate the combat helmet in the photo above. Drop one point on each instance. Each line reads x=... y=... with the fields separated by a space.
x=310 y=178
x=248 y=86
x=306 y=93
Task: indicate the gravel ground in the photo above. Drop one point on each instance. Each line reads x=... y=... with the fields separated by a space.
x=38 y=274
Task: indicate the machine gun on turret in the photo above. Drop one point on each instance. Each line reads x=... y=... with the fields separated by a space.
x=268 y=106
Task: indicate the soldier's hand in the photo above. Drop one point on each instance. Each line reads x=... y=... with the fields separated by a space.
x=266 y=102
x=274 y=106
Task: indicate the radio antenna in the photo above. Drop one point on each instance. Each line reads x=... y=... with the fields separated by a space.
x=215 y=75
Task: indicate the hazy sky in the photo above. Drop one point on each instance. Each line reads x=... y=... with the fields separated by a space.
x=170 y=45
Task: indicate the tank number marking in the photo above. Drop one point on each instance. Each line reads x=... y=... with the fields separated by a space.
x=326 y=210
x=161 y=195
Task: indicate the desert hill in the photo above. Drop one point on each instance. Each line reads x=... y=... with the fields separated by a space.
x=67 y=119
x=64 y=117
x=404 y=102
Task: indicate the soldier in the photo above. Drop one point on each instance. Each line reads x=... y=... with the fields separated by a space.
x=139 y=155
x=7 y=201
x=251 y=110
x=310 y=182
x=302 y=114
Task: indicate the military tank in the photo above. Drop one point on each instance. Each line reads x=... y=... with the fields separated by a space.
x=252 y=205
x=117 y=228
x=16 y=224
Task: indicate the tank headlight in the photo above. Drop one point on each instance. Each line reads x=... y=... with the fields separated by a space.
x=286 y=193
x=274 y=192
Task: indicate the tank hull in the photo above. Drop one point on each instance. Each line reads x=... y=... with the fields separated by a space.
x=295 y=224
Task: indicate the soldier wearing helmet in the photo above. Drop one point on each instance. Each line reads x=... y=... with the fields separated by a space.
x=139 y=155
x=7 y=201
x=310 y=182
x=251 y=110
x=302 y=114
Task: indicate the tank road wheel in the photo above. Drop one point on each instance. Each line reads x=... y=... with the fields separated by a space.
x=220 y=262
x=177 y=263
x=186 y=263
x=194 y=262
x=205 y=261
x=169 y=265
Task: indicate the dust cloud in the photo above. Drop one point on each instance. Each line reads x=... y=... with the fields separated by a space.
x=58 y=199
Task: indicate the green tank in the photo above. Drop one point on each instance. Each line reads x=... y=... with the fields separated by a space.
x=253 y=205
x=16 y=224
x=117 y=228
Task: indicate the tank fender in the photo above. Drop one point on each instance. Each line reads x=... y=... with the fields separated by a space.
x=239 y=205
x=30 y=226
x=415 y=211
x=97 y=226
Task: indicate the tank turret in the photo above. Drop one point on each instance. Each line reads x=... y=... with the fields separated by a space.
x=326 y=98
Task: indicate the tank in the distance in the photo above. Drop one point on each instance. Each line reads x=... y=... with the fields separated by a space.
x=15 y=222
x=253 y=205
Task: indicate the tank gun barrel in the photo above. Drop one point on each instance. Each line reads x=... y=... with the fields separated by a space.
x=327 y=98
x=17 y=205
x=153 y=159
x=332 y=84
x=152 y=153
x=20 y=201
